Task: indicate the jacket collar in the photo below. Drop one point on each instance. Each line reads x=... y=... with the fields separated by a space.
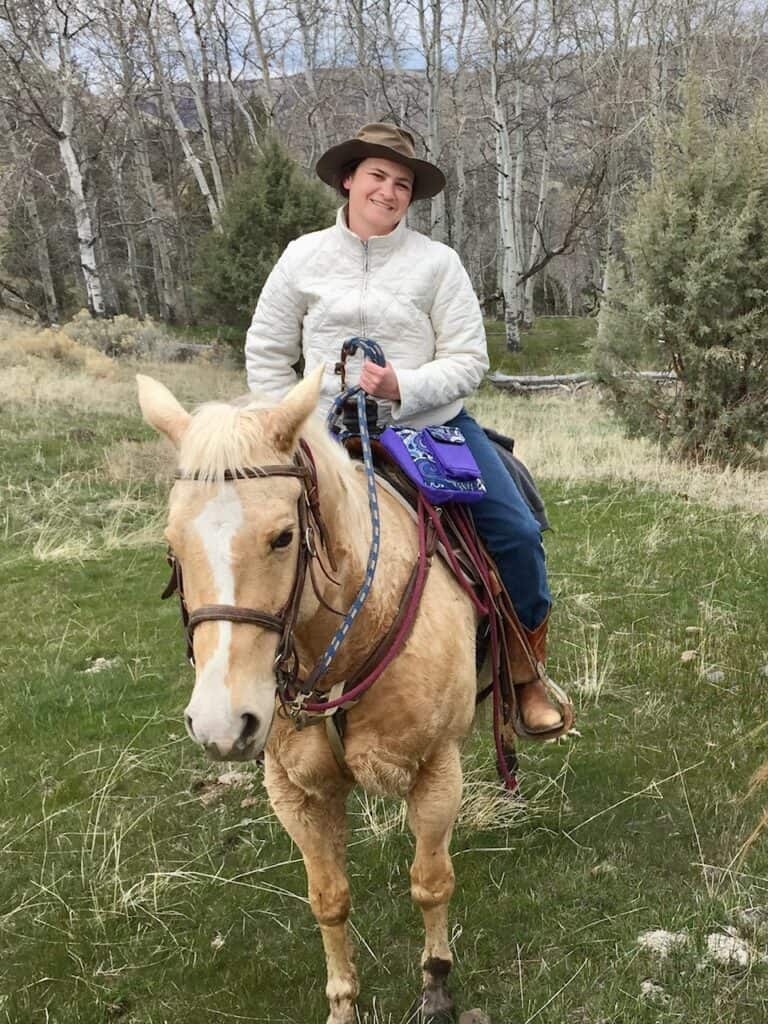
x=379 y=246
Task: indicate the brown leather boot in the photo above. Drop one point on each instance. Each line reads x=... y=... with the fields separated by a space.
x=537 y=711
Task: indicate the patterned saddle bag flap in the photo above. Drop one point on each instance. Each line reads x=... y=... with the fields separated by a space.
x=438 y=461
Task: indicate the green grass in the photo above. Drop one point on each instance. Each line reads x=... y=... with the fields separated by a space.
x=552 y=345
x=125 y=897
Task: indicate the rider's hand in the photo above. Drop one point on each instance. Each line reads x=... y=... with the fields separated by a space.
x=379 y=381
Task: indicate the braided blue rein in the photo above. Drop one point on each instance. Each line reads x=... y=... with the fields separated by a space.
x=374 y=352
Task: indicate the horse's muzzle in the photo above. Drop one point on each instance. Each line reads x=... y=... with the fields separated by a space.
x=243 y=747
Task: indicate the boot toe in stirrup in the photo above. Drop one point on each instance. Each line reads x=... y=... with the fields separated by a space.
x=537 y=717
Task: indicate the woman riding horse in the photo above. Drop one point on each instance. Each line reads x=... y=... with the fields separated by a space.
x=372 y=276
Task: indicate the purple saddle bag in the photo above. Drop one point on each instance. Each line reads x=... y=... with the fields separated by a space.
x=438 y=461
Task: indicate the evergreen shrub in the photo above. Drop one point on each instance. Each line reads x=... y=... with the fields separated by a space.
x=692 y=296
x=267 y=206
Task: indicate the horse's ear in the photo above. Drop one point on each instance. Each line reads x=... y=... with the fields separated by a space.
x=161 y=409
x=284 y=422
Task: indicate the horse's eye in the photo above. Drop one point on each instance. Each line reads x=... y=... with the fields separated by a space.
x=283 y=539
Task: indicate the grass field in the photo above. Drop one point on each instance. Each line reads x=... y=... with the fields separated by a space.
x=137 y=887
x=553 y=345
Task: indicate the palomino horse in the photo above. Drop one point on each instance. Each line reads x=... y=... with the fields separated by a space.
x=237 y=543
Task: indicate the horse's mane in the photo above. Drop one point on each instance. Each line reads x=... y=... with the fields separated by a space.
x=223 y=436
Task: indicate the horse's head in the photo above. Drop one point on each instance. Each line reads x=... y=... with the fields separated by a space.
x=236 y=543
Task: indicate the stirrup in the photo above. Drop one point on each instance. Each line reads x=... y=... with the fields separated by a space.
x=559 y=697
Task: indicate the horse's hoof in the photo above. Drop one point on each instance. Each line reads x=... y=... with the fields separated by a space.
x=342 y=1015
x=434 y=1007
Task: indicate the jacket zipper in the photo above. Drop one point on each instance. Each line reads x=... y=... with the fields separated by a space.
x=363 y=323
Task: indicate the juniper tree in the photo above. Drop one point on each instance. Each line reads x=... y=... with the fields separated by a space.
x=692 y=294
x=266 y=207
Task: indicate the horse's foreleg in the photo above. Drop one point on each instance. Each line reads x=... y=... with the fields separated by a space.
x=318 y=827
x=433 y=804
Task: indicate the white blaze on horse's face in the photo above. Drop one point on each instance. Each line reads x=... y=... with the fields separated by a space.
x=236 y=543
x=226 y=717
x=225 y=536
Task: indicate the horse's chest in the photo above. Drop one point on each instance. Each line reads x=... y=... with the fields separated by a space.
x=306 y=757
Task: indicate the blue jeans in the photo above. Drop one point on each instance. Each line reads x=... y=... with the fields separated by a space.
x=509 y=529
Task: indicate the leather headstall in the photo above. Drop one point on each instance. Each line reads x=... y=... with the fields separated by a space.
x=284 y=621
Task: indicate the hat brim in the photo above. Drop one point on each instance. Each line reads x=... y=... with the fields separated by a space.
x=428 y=179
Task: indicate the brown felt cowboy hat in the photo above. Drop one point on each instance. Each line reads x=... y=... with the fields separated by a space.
x=391 y=143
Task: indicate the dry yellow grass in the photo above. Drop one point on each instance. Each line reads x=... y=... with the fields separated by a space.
x=574 y=440
x=569 y=439
x=128 y=461
x=24 y=346
x=46 y=369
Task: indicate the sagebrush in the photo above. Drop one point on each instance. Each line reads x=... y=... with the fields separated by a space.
x=123 y=336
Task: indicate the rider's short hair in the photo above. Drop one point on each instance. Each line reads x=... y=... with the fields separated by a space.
x=346 y=170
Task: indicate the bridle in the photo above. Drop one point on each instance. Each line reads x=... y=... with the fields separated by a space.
x=311 y=524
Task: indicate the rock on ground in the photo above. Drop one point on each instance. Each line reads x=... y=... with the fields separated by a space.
x=474 y=1017
x=728 y=950
x=753 y=921
x=652 y=993
x=662 y=942
x=100 y=665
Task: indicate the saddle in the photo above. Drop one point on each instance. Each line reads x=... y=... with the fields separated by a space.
x=457 y=542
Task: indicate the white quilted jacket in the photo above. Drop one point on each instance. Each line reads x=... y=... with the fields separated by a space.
x=403 y=290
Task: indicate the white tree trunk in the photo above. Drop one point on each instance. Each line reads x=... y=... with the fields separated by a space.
x=250 y=124
x=537 y=235
x=147 y=189
x=622 y=23
x=431 y=39
x=394 y=49
x=308 y=15
x=158 y=239
x=128 y=235
x=190 y=156
x=518 y=196
x=265 y=82
x=505 y=207
x=43 y=258
x=460 y=111
x=356 y=15
x=504 y=34
x=86 y=238
x=201 y=107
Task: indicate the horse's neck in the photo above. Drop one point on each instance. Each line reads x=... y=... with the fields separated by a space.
x=345 y=510
x=344 y=507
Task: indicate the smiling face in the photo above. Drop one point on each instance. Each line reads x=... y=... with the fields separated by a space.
x=379 y=194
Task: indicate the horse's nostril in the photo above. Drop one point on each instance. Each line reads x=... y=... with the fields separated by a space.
x=250 y=728
x=188 y=723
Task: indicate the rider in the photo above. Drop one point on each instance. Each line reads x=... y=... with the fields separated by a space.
x=371 y=276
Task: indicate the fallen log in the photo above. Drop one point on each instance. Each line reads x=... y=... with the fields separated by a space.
x=521 y=383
